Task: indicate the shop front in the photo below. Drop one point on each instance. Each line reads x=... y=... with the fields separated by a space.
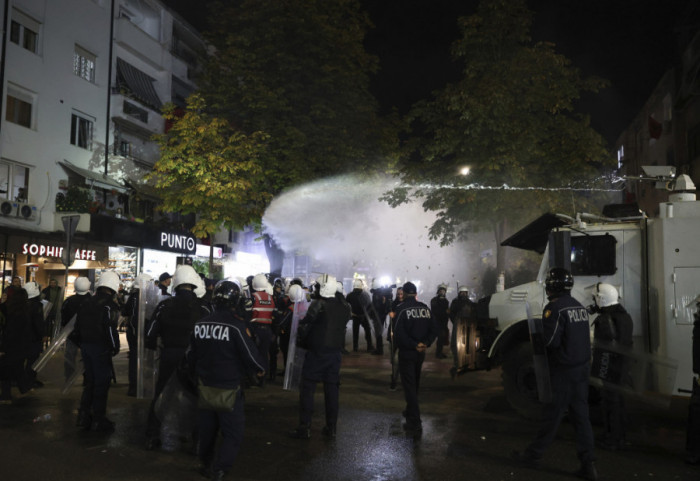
x=37 y=258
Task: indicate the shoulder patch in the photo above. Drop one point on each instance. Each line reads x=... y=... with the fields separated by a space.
x=547 y=313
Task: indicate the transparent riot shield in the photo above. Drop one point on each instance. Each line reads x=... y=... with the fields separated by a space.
x=146 y=366
x=460 y=339
x=645 y=376
x=539 y=357
x=55 y=346
x=296 y=355
x=72 y=365
x=176 y=408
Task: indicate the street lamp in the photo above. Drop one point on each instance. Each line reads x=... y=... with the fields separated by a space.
x=464 y=171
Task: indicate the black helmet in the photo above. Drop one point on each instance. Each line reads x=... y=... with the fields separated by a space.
x=226 y=294
x=409 y=288
x=559 y=280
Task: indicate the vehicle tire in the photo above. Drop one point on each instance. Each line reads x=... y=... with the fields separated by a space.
x=519 y=381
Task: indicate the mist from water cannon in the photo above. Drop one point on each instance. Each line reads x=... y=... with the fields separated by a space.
x=341 y=223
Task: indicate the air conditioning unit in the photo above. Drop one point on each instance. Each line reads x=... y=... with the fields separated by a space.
x=26 y=211
x=8 y=208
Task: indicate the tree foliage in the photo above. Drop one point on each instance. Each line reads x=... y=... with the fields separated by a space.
x=210 y=168
x=298 y=71
x=510 y=118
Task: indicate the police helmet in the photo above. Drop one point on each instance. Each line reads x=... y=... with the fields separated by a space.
x=260 y=282
x=605 y=295
x=226 y=294
x=358 y=284
x=559 y=280
x=410 y=289
x=186 y=275
x=81 y=285
x=109 y=280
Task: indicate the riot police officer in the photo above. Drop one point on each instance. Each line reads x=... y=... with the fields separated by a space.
x=440 y=307
x=567 y=338
x=221 y=353
x=613 y=325
x=172 y=322
x=96 y=334
x=359 y=302
x=264 y=312
x=70 y=308
x=414 y=332
x=325 y=323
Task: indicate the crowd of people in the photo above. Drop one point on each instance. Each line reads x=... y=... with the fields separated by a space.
x=218 y=338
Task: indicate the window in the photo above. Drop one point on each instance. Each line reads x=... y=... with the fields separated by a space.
x=136 y=112
x=24 y=31
x=84 y=64
x=81 y=131
x=19 y=106
x=14 y=181
x=123 y=148
x=593 y=255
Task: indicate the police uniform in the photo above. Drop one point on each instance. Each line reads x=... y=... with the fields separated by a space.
x=359 y=301
x=69 y=309
x=439 y=305
x=566 y=334
x=172 y=322
x=414 y=324
x=613 y=324
x=96 y=332
x=221 y=352
x=327 y=318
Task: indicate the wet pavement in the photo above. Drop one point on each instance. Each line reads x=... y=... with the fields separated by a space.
x=469 y=431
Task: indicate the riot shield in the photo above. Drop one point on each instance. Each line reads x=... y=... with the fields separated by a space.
x=55 y=346
x=539 y=357
x=632 y=372
x=146 y=367
x=461 y=341
x=176 y=408
x=295 y=355
x=72 y=365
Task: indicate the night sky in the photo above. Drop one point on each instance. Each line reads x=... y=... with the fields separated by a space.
x=629 y=42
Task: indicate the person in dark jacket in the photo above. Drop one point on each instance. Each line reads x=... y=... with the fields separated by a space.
x=54 y=295
x=69 y=309
x=613 y=325
x=360 y=303
x=462 y=312
x=566 y=334
x=173 y=322
x=324 y=323
x=96 y=334
x=440 y=307
x=415 y=331
x=38 y=331
x=15 y=336
x=222 y=353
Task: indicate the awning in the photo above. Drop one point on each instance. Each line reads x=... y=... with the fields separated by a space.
x=94 y=179
x=144 y=191
x=534 y=236
x=140 y=84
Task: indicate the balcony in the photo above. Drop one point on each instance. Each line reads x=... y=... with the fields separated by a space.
x=138 y=42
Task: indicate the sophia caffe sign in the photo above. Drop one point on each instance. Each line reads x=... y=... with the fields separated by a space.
x=55 y=251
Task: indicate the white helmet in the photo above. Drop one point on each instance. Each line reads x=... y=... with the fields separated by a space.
x=81 y=285
x=185 y=274
x=358 y=284
x=463 y=289
x=142 y=278
x=295 y=293
x=260 y=282
x=328 y=285
x=108 y=279
x=32 y=289
x=376 y=283
x=339 y=287
x=605 y=295
x=200 y=288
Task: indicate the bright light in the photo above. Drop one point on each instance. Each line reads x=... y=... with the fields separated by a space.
x=464 y=171
x=385 y=280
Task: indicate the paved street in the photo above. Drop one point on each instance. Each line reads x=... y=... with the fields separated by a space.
x=469 y=430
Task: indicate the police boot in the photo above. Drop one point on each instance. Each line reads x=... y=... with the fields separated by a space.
x=587 y=471
x=329 y=431
x=302 y=432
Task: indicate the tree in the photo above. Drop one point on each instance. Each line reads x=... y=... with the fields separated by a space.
x=298 y=71
x=510 y=119
x=209 y=168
